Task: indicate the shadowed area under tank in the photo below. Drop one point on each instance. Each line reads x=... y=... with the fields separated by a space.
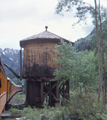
x=38 y=70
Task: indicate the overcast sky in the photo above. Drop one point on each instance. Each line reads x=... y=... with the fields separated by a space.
x=20 y=19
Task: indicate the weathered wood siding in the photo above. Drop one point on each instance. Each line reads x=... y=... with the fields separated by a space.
x=3 y=81
x=3 y=88
x=38 y=57
x=2 y=102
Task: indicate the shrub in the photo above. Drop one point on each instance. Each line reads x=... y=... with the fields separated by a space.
x=14 y=111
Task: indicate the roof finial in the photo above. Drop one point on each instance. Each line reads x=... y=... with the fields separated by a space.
x=46 y=27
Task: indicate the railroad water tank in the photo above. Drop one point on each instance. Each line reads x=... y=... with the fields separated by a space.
x=38 y=68
x=39 y=54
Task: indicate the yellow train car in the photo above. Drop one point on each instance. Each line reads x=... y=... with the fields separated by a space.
x=7 y=88
x=12 y=89
x=3 y=88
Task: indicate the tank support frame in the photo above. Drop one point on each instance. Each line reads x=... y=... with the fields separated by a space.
x=44 y=90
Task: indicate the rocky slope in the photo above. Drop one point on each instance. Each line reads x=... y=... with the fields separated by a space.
x=11 y=57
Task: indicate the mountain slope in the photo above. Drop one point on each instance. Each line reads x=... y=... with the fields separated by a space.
x=10 y=57
x=89 y=42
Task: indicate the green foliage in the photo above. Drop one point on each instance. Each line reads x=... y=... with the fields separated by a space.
x=82 y=9
x=76 y=66
x=88 y=65
x=17 y=81
x=83 y=106
x=24 y=85
x=36 y=114
x=14 y=111
x=20 y=97
x=31 y=114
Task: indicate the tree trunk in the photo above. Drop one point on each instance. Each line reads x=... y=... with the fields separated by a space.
x=105 y=81
x=103 y=61
x=100 y=90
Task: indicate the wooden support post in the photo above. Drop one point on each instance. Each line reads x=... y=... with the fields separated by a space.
x=67 y=89
x=42 y=91
x=46 y=96
x=63 y=90
x=50 y=93
x=21 y=64
x=33 y=91
x=57 y=91
x=26 y=90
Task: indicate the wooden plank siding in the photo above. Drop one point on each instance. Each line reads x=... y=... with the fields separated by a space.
x=40 y=53
x=2 y=102
x=3 y=82
x=3 y=89
x=7 y=88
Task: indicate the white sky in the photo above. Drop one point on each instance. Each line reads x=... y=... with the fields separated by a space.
x=20 y=19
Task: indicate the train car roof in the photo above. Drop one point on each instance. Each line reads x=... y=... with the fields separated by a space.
x=13 y=82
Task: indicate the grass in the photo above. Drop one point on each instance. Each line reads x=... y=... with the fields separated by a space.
x=83 y=107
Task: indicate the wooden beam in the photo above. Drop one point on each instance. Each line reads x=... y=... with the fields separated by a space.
x=67 y=89
x=57 y=90
x=46 y=86
x=46 y=94
x=21 y=64
x=53 y=86
x=50 y=93
x=42 y=91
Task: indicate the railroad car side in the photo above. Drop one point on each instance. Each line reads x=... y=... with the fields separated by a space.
x=12 y=89
x=7 y=88
x=3 y=88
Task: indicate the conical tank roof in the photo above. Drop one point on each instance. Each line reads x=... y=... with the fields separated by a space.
x=45 y=35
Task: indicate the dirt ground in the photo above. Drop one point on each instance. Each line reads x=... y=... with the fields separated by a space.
x=17 y=99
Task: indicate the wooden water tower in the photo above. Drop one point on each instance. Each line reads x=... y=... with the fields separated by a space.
x=38 y=68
